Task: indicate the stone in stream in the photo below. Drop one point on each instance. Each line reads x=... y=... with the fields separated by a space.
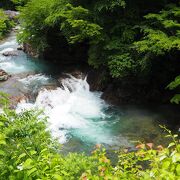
x=10 y=53
x=14 y=100
x=4 y=76
x=20 y=48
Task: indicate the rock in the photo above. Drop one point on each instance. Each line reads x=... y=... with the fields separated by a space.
x=17 y=99
x=77 y=74
x=27 y=48
x=49 y=87
x=3 y=75
x=10 y=53
x=96 y=79
x=20 y=48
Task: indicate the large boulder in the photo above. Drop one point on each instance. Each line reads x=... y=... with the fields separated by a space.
x=4 y=76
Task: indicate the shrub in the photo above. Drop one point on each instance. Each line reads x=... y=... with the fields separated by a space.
x=5 y=24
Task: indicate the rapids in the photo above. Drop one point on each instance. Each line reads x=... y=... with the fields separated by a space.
x=78 y=117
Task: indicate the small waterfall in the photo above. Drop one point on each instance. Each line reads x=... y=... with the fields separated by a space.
x=74 y=111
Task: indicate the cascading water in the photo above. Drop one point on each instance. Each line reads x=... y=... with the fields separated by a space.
x=20 y=63
x=74 y=111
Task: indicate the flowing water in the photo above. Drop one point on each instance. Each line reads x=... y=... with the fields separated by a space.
x=78 y=117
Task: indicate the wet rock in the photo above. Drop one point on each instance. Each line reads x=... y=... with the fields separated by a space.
x=97 y=79
x=77 y=74
x=20 y=48
x=27 y=48
x=14 y=100
x=49 y=87
x=10 y=53
x=4 y=76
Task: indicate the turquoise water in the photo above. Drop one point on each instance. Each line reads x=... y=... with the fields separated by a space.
x=78 y=117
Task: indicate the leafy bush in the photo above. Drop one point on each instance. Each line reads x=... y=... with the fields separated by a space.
x=174 y=85
x=20 y=2
x=5 y=24
x=121 y=65
x=163 y=33
x=40 y=16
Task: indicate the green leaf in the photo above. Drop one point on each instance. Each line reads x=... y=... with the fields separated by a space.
x=162 y=157
x=2 y=142
x=64 y=172
x=29 y=172
x=1 y=124
x=57 y=177
x=178 y=169
x=2 y=153
x=176 y=157
x=33 y=152
x=171 y=144
x=166 y=164
x=27 y=164
x=22 y=155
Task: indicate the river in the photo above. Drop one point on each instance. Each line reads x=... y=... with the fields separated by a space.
x=78 y=117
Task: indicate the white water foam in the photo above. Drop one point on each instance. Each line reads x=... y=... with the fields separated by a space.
x=6 y=50
x=31 y=80
x=11 y=42
x=73 y=109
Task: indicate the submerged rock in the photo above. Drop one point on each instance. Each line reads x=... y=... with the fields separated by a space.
x=4 y=76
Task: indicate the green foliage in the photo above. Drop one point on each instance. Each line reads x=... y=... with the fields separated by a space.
x=157 y=42
x=34 y=29
x=20 y=2
x=28 y=151
x=163 y=34
x=12 y=4
x=113 y=29
x=108 y=5
x=74 y=23
x=173 y=85
x=5 y=24
x=39 y=16
x=146 y=163
x=120 y=65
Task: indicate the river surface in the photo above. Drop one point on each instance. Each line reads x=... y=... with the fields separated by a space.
x=79 y=118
